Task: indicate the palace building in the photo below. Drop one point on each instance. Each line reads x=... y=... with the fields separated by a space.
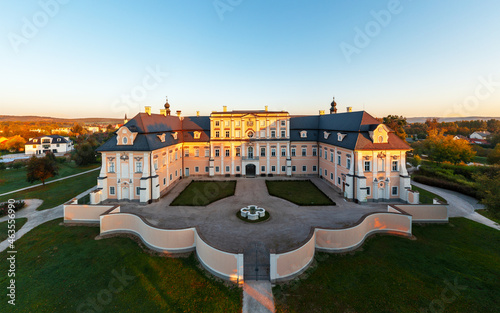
x=352 y=151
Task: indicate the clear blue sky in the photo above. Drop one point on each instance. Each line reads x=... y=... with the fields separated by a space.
x=425 y=58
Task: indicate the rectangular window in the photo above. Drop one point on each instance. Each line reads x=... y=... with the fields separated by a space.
x=262 y=134
x=170 y=176
x=227 y=133
x=326 y=154
x=111 y=190
x=320 y=152
x=176 y=156
x=331 y=157
x=206 y=169
x=293 y=152
x=283 y=168
x=227 y=123
x=138 y=167
x=138 y=190
x=395 y=191
x=381 y=165
x=368 y=191
x=164 y=181
x=273 y=152
x=338 y=180
x=331 y=176
x=237 y=133
x=304 y=152
x=283 y=133
x=207 y=152
x=227 y=152
x=111 y=167
x=273 y=168
x=262 y=152
x=368 y=166
x=186 y=152
x=283 y=152
x=314 y=168
x=395 y=166
x=326 y=173
x=227 y=169
x=196 y=169
x=294 y=168
x=339 y=160
x=196 y=152
x=175 y=173
x=217 y=134
x=315 y=151
x=237 y=168
x=238 y=151
x=237 y=123
x=283 y=122
x=262 y=169
x=304 y=168
x=348 y=165
x=273 y=133
x=217 y=169
x=216 y=123
x=262 y=123
x=217 y=152
x=156 y=164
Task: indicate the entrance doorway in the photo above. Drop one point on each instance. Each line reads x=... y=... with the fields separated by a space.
x=250 y=170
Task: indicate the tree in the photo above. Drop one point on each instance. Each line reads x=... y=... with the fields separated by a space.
x=41 y=168
x=84 y=154
x=494 y=155
x=442 y=148
x=396 y=123
x=77 y=129
x=489 y=188
x=15 y=143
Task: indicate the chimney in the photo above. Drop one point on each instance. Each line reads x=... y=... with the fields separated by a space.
x=163 y=112
x=178 y=112
x=266 y=108
x=224 y=108
x=198 y=113
x=321 y=112
x=148 y=110
x=349 y=109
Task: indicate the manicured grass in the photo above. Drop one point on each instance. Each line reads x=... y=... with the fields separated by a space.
x=262 y=219
x=59 y=269
x=300 y=192
x=4 y=227
x=426 y=197
x=482 y=160
x=57 y=193
x=488 y=214
x=13 y=179
x=394 y=274
x=201 y=193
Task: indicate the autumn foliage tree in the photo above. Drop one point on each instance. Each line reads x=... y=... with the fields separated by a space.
x=441 y=148
x=396 y=123
x=41 y=168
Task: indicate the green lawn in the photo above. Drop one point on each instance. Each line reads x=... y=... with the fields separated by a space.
x=201 y=193
x=426 y=197
x=58 y=192
x=13 y=179
x=300 y=192
x=482 y=160
x=3 y=227
x=488 y=214
x=394 y=274
x=61 y=269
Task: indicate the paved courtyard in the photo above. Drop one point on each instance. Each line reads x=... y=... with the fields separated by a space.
x=288 y=227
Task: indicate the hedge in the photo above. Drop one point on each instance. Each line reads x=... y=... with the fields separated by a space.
x=442 y=183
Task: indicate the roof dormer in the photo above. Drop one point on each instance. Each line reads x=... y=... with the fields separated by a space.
x=125 y=137
x=303 y=134
x=380 y=134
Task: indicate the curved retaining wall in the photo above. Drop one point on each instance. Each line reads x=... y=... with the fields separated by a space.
x=285 y=266
x=428 y=213
x=223 y=264
x=84 y=213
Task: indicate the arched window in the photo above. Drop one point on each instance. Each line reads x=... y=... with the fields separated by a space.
x=380 y=139
x=250 y=152
x=125 y=140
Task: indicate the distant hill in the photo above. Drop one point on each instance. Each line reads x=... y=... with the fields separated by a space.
x=15 y=118
x=450 y=119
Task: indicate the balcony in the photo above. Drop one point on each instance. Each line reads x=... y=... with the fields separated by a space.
x=250 y=158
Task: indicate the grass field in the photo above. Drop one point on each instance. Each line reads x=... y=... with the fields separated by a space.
x=426 y=197
x=63 y=269
x=13 y=179
x=393 y=274
x=478 y=159
x=300 y=192
x=58 y=192
x=3 y=227
x=201 y=193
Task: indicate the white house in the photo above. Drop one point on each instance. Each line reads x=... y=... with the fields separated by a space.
x=480 y=135
x=51 y=143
